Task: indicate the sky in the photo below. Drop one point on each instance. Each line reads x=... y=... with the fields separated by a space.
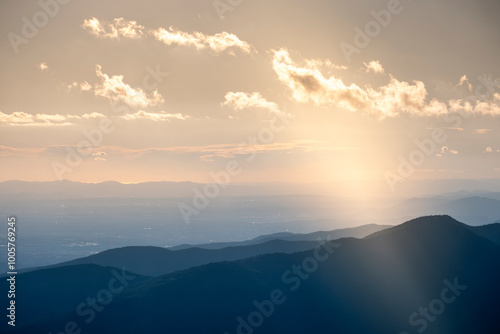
x=263 y=91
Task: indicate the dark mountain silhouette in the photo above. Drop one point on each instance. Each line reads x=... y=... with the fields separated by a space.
x=490 y=231
x=49 y=292
x=352 y=232
x=156 y=261
x=431 y=274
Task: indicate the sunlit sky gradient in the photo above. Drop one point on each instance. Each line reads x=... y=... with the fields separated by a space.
x=269 y=68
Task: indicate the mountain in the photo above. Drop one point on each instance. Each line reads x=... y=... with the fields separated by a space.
x=49 y=292
x=474 y=210
x=431 y=274
x=353 y=232
x=490 y=231
x=156 y=261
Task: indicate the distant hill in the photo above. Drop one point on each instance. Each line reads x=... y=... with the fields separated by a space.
x=353 y=232
x=156 y=261
x=474 y=210
x=431 y=274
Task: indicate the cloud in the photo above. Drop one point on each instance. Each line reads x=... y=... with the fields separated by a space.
x=93 y=115
x=241 y=101
x=475 y=106
x=488 y=150
x=445 y=150
x=482 y=131
x=231 y=151
x=83 y=86
x=6 y=151
x=204 y=153
x=216 y=43
x=465 y=81
x=393 y=99
x=162 y=116
x=114 y=89
x=99 y=156
x=310 y=85
x=43 y=66
x=316 y=63
x=450 y=128
x=374 y=66
x=20 y=118
x=119 y=28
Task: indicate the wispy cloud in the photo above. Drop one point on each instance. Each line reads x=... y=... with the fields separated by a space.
x=83 y=86
x=204 y=153
x=6 y=151
x=241 y=101
x=374 y=66
x=20 y=118
x=120 y=27
x=317 y=63
x=464 y=81
x=161 y=116
x=393 y=99
x=100 y=156
x=481 y=131
x=216 y=43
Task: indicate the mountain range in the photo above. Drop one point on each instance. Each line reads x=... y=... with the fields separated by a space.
x=431 y=274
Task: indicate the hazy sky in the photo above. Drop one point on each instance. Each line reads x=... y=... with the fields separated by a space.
x=302 y=91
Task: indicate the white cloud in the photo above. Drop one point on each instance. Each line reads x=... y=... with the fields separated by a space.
x=241 y=101
x=393 y=99
x=162 y=116
x=374 y=66
x=130 y=29
x=488 y=150
x=100 y=156
x=93 y=115
x=20 y=118
x=316 y=63
x=114 y=89
x=477 y=106
x=118 y=28
x=43 y=66
x=216 y=43
x=465 y=81
x=83 y=86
